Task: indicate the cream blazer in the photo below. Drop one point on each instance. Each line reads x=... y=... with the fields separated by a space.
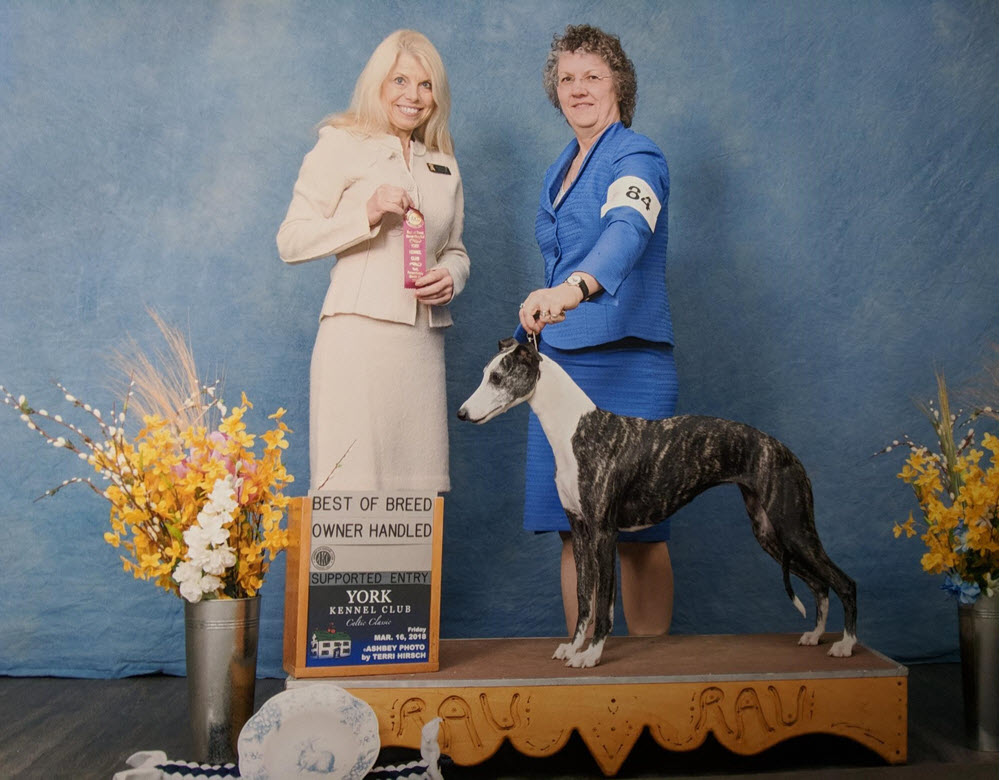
x=328 y=216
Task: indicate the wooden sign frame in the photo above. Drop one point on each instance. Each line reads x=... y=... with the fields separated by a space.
x=297 y=583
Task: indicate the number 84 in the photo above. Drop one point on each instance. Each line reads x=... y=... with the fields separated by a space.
x=634 y=193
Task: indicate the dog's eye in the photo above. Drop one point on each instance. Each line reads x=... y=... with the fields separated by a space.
x=495 y=378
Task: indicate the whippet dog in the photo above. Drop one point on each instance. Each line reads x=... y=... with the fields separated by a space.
x=624 y=473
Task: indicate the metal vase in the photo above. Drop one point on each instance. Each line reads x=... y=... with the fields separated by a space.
x=977 y=638
x=221 y=645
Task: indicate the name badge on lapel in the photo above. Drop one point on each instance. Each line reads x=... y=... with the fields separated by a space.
x=434 y=168
x=414 y=248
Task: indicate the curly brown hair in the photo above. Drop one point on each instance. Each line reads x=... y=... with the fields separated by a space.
x=591 y=40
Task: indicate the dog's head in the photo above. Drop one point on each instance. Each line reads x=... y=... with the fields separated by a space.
x=508 y=379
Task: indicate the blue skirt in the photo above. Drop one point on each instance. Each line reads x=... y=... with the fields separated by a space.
x=630 y=377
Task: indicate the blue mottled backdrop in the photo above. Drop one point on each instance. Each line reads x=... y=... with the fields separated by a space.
x=833 y=227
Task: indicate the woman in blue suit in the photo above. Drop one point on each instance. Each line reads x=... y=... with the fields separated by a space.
x=602 y=231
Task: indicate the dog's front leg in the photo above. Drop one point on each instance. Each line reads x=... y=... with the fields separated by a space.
x=570 y=650
x=586 y=580
x=604 y=598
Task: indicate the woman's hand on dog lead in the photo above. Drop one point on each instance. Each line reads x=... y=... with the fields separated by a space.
x=547 y=306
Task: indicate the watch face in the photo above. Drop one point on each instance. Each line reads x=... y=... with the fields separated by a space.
x=574 y=279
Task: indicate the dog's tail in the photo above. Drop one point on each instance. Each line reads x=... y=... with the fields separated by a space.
x=786 y=562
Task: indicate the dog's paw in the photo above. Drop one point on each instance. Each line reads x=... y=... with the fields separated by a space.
x=583 y=660
x=587 y=658
x=810 y=638
x=843 y=648
x=564 y=652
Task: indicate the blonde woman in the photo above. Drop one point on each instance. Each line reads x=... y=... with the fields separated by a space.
x=377 y=381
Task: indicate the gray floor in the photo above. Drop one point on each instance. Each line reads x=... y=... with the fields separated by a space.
x=81 y=729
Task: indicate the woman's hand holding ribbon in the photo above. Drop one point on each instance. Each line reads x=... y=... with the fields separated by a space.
x=387 y=199
x=435 y=288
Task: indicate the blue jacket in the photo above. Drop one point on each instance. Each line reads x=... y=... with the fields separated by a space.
x=611 y=223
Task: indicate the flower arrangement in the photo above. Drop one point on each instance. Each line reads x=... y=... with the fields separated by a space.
x=193 y=507
x=957 y=494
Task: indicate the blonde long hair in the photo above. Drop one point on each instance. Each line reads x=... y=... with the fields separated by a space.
x=366 y=112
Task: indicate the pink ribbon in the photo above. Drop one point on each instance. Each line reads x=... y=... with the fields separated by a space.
x=414 y=247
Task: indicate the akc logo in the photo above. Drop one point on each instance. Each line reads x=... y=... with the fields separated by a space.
x=323 y=558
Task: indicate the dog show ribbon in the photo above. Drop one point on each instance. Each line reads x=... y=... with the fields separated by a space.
x=414 y=248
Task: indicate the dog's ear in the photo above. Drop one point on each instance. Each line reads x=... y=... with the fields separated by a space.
x=506 y=344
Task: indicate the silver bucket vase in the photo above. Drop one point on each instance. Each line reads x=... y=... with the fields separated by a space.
x=221 y=644
x=977 y=639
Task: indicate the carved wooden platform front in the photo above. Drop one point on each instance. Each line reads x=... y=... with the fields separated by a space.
x=750 y=692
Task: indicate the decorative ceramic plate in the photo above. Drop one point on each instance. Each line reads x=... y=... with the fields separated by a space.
x=310 y=732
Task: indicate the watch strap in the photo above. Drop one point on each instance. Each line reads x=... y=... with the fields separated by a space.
x=579 y=282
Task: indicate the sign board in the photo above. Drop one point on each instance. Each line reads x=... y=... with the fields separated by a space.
x=363 y=583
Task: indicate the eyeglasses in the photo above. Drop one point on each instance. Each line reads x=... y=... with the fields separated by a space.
x=588 y=80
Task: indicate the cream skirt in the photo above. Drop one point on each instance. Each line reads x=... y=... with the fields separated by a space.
x=378 y=406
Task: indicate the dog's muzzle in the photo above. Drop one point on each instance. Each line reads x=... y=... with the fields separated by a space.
x=463 y=414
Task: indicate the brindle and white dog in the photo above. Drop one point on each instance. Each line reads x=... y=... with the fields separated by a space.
x=624 y=473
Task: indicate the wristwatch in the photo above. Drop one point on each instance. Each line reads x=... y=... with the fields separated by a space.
x=577 y=281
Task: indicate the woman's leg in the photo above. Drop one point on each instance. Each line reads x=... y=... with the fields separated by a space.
x=647 y=580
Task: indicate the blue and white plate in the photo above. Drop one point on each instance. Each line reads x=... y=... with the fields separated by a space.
x=310 y=732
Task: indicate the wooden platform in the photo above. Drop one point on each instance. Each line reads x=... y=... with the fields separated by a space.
x=750 y=692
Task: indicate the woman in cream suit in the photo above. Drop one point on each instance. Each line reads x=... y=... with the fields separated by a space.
x=377 y=382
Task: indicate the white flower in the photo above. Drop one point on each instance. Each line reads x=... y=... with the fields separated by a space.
x=210 y=584
x=195 y=538
x=223 y=496
x=186 y=571
x=212 y=530
x=191 y=590
x=188 y=578
x=202 y=554
x=209 y=554
x=219 y=560
x=193 y=584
